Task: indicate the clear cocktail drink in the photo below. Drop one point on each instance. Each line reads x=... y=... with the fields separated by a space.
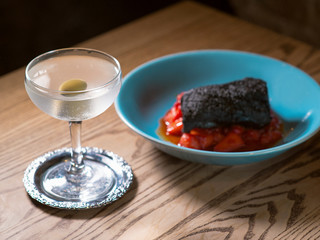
x=74 y=85
x=48 y=75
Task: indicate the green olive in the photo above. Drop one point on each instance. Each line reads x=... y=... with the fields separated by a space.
x=73 y=85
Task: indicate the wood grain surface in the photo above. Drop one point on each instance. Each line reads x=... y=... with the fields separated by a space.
x=170 y=198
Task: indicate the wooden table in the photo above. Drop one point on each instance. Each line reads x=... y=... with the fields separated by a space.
x=170 y=198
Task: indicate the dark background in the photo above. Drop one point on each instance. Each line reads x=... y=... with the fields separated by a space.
x=29 y=28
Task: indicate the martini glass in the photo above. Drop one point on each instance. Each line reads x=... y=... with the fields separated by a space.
x=75 y=84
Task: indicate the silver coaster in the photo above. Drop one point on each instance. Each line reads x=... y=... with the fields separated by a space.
x=117 y=166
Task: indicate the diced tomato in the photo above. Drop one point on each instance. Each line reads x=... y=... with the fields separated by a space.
x=210 y=140
x=276 y=136
x=175 y=128
x=179 y=97
x=231 y=142
x=207 y=136
x=270 y=137
x=173 y=114
x=237 y=129
x=189 y=141
x=251 y=135
x=201 y=131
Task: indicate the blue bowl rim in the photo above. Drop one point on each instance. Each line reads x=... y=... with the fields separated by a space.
x=278 y=148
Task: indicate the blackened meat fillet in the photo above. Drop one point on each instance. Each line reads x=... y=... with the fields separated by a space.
x=243 y=102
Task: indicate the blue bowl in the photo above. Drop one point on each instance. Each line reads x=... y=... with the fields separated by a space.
x=150 y=90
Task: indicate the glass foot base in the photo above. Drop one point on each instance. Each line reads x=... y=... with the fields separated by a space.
x=104 y=178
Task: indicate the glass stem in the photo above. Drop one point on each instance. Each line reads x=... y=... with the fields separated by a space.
x=76 y=155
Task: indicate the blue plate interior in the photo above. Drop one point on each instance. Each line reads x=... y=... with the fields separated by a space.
x=150 y=90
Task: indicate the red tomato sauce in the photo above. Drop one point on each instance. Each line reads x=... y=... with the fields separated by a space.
x=234 y=138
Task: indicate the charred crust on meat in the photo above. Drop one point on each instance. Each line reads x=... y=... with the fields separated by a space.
x=244 y=102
